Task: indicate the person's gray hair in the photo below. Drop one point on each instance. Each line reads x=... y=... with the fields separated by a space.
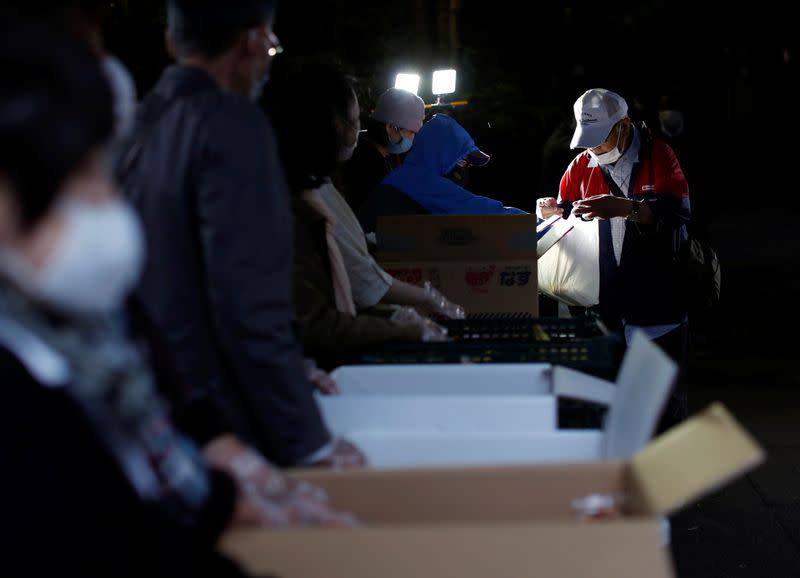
x=210 y=27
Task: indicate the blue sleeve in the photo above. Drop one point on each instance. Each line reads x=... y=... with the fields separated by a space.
x=461 y=201
x=477 y=205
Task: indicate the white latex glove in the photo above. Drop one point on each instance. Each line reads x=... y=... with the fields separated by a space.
x=439 y=304
x=430 y=331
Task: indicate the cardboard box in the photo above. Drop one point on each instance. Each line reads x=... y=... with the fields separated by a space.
x=508 y=522
x=485 y=263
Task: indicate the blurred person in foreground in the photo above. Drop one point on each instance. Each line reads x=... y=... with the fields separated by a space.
x=97 y=481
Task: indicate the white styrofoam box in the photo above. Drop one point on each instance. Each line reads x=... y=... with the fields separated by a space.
x=445 y=379
x=412 y=450
x=378 y=413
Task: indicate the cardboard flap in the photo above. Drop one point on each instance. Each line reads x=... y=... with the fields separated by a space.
x=643 y=385
x=344 y=414
x=690 y=460
x=612 y=550
x=457 y=238
x=574 y=384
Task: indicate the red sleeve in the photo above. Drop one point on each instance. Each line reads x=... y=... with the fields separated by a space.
x=674 y=179
x=569 y=188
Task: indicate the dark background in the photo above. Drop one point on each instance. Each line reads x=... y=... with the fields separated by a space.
x=522 y=65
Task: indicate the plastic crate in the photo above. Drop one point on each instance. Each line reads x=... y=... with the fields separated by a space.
x=522 y=327
x=580 y=343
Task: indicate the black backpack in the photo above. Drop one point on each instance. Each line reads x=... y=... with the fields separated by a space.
x=703 y=273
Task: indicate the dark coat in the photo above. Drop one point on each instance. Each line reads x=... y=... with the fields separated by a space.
x=202 y=169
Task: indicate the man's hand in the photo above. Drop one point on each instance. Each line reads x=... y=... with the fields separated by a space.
x=320 y=379
x=431 y=331
x=343 y=456
x=546 y=207
x=609 y=206
x=266 y=496
x=437 y=304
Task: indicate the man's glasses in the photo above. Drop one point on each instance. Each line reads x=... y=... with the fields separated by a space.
x=273 y=44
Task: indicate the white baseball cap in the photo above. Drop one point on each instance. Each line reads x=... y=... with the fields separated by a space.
x=596 y=112
x=400 y=107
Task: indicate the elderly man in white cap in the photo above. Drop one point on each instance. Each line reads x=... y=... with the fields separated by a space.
x=391 y=129
x=634 y=185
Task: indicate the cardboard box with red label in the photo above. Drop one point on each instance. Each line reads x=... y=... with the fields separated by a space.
x=485 y=263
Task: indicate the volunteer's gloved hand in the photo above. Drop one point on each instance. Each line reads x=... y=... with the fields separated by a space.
x=266 y=496
x=438 y=304
x=430 y=331
x=320 y=379
x=546 y=207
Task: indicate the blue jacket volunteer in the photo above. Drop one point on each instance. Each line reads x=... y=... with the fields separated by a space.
x=425 y=183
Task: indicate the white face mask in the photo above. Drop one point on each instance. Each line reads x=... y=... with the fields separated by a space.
x=346 y=152
x=123 y=91
x=258 y=86
x=611 y=156
x=97 y=262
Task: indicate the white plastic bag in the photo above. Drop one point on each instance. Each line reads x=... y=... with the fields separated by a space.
x=570 y=270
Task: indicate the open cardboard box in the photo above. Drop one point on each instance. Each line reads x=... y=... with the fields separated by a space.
x=440 y=415
x=508 y=522
x=486 y=263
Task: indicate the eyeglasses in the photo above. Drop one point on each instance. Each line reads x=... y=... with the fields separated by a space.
x=273 y=44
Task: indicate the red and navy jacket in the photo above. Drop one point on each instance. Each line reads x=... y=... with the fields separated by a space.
x=647 y=287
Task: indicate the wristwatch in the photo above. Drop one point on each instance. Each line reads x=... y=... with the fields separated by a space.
x=633 y=214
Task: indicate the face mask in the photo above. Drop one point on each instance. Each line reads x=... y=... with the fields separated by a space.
x=259 y=86
x=611 y=156
x=123 y=91
x=98 y=260
x=346 y=152
x=402 y=147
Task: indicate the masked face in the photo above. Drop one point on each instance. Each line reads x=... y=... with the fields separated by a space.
x=84 y=255
x=403 y=145
x=608 y=157
x=262 y=65
x=96 y=262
